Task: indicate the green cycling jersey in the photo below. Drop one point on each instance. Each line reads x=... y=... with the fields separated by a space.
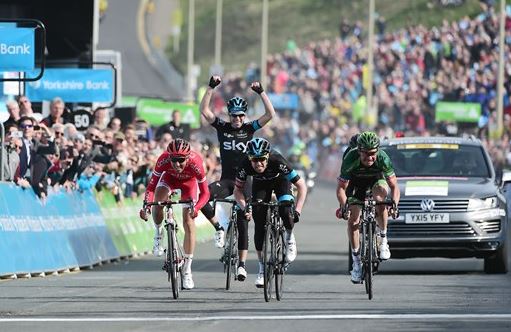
x=352 y=168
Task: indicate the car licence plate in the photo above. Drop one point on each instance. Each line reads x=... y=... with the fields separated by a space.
x=427 y=218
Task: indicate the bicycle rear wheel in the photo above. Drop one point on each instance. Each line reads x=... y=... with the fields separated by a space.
x=280 y=261
x=173 y=261
x=268 y=261
x=368 y=264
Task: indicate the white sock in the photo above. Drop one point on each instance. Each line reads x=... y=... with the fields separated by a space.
x=158 y=232
x=261 y=266
x=187 y=266
x=356 y=258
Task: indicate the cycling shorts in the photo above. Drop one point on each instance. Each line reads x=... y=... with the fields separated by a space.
x=357 y=189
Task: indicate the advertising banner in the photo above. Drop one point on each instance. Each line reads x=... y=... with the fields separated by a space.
x=17 y=51
x=457 y=112
x=73 y=85
x=158 y=112
x=66 y=231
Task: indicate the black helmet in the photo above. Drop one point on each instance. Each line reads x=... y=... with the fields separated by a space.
x=258 y=147
x=237 y=105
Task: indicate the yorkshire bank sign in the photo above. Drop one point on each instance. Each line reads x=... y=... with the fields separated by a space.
x=17 y=49
x=73 y=85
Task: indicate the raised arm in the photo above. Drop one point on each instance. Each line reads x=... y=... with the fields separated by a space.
x=269 y=111
x=206 y=99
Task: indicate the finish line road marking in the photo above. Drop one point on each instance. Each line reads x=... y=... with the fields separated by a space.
x=289 y=317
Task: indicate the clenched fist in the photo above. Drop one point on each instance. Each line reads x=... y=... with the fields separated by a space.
x=214 y=81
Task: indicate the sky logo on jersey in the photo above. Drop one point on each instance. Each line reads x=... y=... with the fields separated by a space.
x=17 y=49
x=232 y=145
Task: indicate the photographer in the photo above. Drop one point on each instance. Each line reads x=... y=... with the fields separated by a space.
x=37 y=143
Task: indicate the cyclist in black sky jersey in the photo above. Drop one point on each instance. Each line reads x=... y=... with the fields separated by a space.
x=233 y=136
x=272 y=173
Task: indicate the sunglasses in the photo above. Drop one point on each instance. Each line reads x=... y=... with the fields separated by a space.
x=23 y=126
x=59 y=133
x=258 y=159
x=369 y=153
x=237 y=116
x=178 y=159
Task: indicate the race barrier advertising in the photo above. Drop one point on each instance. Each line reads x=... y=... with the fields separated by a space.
x=67 y=231
x=73 y=230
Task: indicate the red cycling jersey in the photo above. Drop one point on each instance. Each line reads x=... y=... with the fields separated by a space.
x=192 y=176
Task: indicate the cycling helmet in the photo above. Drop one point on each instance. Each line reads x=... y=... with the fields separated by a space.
x=258 y=147
x=179 y=148
x=368 y=140
x=237 y=105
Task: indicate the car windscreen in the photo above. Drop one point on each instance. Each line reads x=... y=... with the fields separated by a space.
x=451 y=160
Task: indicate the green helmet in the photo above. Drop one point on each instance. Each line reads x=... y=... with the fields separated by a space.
x=368 y=140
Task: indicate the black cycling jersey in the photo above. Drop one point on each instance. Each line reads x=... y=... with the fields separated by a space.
x=278 y=166
x=233 y=143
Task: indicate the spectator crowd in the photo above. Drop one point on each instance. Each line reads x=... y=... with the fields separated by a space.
x=414 y=69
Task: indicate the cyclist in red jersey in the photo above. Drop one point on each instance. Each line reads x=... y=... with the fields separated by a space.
x=177 y=168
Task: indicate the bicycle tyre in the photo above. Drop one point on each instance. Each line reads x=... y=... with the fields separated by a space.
x=268 y=261
x=229 y=256
x=280 y=255
x=172 y=261
x=368 y=270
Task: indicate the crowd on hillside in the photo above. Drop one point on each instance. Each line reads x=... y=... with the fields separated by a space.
x=414 y=68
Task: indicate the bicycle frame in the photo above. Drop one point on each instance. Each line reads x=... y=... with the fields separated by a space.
x=274 y=256
x=230 y=255
x=174 y=258
x=369 y=252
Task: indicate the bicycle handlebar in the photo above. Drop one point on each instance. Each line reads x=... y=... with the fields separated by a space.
x=386 y=202
x=188 y=202
x=273 y=203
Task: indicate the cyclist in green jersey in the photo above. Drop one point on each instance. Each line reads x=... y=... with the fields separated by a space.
x=363 y=168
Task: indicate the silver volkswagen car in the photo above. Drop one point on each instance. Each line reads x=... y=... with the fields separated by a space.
x=451 y=202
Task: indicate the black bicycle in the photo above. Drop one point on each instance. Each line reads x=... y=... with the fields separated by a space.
x=369 y=249
x=174 y=258
x=274 y=250
x=230 y=254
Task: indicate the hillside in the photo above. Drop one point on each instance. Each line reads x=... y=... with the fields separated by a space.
x=298 y=20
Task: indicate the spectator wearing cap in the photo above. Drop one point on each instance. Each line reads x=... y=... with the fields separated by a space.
x=175 y=127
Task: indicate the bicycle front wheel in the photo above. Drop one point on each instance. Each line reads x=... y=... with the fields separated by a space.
x=280 y=255
x=230 y=254
x=268 y=261
x=368 y=265
x=173 y=261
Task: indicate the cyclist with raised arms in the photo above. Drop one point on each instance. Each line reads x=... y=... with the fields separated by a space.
x=271 y=173
x=363 y=168
x=177 y=168
x=232 y=137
